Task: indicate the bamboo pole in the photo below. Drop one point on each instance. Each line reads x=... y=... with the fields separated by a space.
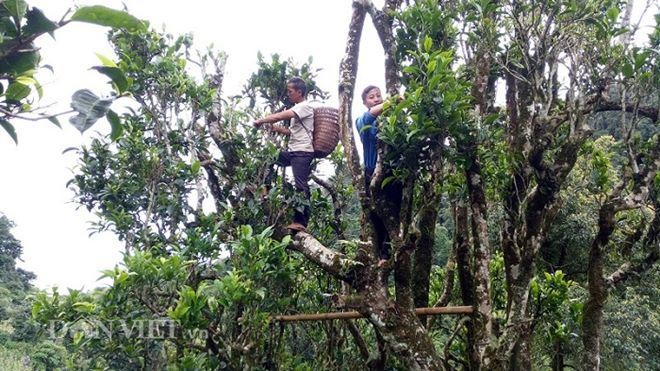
x=353 y=315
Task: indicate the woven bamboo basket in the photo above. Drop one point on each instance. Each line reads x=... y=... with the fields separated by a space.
x=326 y=131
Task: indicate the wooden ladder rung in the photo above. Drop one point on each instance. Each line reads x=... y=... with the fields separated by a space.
x=353 y=314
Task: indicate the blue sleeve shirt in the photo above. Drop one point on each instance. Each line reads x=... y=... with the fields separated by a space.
x=367 y=127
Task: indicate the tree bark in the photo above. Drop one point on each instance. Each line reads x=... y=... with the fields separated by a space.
x=347 y=75
x=426 y=220
x=482 y=318
x=592 y=324
x=423 y=257
x=465 y=276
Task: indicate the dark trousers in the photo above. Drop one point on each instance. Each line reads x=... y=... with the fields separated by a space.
x=300 y=163
x=392 y=192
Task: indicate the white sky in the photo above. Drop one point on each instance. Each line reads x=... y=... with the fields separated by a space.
x=55 y=236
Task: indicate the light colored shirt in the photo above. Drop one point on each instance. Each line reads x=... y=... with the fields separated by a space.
x=302 y=128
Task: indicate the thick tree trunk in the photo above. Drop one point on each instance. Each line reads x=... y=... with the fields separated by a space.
x=423 y=258
x=465 y=276
x=399 y=326
x=592 y=324
x=347 y=76
x=382 y=20
x=426 y=220
x=402 y=331
x=558 y=363
x=482 y=318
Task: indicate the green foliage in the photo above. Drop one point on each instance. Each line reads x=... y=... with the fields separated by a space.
x=558 y=309
x=104 y=16
x=269 y=82
x=435 y=104
x=89 y=107
x=20 y=344
x=632 y=325
x=48 y=356
x=498 y=285
x=423 y=25
x=14 y=282
x=20 y=25
x=13 y=359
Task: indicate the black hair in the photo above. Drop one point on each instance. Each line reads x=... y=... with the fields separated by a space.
x=367 y=90
x=298 y=84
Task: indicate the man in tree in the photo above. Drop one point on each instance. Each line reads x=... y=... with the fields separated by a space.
x=300 y=151
x=367 y=126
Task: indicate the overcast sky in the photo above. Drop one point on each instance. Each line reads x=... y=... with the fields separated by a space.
x=54 y=234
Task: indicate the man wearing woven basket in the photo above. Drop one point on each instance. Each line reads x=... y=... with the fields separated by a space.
x=300 y=151
x=367 y=126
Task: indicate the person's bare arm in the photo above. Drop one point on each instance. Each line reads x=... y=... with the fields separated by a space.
x=276 y=117
x=376 y=110
x=280 y=129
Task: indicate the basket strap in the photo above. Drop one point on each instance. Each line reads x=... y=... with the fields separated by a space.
x=309 y=133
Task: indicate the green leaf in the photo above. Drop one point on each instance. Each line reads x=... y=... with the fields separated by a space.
x=16 y=8
x=411 y=134
x=9 y=128
x=19 y=63
x=491 y=118
x=115 y=124
x=428 y=43
x=17 y=91
x=7 y=28
x=387 y=181
x=78 y=337
x=104 y=16
x=431 y=66
x=194 y=168
x=107 y=62
x=83 y=306
x=433 y=82
x=365 y=128
x=116 y=75
x=613 y=14
x=26 y=80
x=37 y=23
x=627 y=70
x=410 y=69
x=55 y=121
x=90 y=108
x=640 y=59
x=39 y=89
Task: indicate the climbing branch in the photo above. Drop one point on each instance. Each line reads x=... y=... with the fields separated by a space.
x=334 y=263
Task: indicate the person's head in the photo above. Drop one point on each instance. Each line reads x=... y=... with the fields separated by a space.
x=296 y=89
x=371 y=96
